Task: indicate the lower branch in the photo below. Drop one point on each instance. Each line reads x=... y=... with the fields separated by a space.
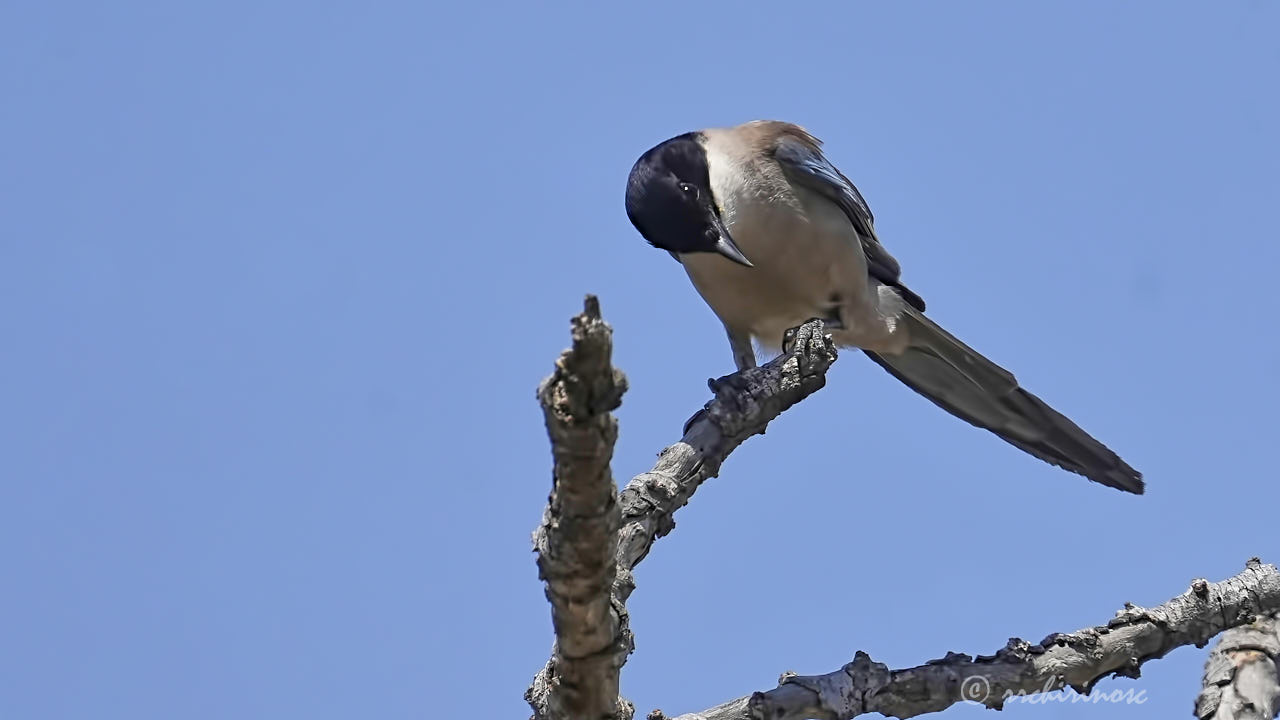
x=1077 y=660
x=1240 y=678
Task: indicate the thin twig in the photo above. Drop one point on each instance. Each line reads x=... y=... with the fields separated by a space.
x=744 y=404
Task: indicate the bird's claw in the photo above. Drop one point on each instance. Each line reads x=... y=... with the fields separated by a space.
x=736 y=381
x=732 y=385
x=803 y=337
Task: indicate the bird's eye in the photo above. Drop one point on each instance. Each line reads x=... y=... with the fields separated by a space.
x=689 y=190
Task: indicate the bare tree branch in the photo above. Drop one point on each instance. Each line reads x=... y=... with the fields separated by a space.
x=593 y=638
x=577 y=540
x=744 y=404
x=591 y=538
x=1077 y=660
x=1241 y=681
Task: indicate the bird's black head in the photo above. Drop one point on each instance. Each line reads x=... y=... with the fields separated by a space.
x=669 y=200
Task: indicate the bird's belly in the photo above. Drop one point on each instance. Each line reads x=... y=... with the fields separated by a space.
x=802 y=270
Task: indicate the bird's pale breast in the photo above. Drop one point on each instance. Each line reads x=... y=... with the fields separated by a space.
x=806 y=256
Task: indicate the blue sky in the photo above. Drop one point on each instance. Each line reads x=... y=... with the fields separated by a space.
x=277 y=282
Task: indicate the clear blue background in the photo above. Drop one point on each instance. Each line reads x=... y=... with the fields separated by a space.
x=277 y=282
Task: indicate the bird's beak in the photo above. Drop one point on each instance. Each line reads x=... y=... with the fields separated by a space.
x=726 y=247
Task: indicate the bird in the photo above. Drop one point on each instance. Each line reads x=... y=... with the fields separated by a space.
x=772 y=235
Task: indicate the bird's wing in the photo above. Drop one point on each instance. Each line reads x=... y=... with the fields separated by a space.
x=800 y=156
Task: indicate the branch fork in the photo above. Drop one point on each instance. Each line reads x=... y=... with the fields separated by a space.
x=592 y=537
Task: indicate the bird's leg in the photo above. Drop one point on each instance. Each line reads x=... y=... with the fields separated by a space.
x=744 y=356
x=832 y=319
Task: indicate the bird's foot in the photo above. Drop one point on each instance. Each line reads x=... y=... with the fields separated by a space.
x=735 y=384
x=802 y=336
x=809 y=351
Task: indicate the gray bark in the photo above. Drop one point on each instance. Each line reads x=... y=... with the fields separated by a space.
x=744 y=404
x=1077 y=660
x=1241 y=681
x=577 y=540
x=591 y=538
x=588 y=544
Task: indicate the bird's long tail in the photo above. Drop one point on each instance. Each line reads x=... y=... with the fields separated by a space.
x=971 y=387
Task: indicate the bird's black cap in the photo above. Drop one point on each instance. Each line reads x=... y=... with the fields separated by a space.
x=669 y=200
